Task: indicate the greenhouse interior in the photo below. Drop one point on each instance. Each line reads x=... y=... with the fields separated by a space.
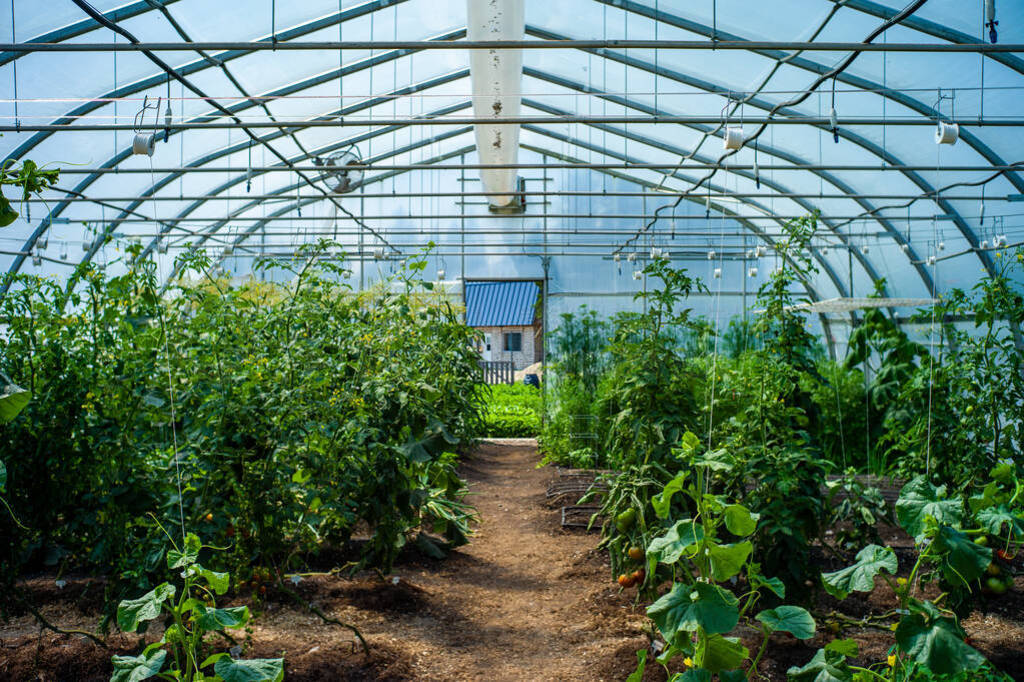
x=625 y=340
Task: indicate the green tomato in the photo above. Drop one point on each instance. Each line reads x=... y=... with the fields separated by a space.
x=981 y=540
x=996 y=585
x=625 y=520
x=970 y=408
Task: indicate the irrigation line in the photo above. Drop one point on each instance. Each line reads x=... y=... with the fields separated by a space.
x=843 y=65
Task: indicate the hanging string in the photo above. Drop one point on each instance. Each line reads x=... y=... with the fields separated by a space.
x=14 y=67
x=170 y=376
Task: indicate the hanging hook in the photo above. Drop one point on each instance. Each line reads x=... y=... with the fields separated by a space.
x=833 y=118
x=248 y=171
x=990 y=12
x=757 y=174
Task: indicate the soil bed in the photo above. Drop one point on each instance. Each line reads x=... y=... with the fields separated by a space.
x=526 y=600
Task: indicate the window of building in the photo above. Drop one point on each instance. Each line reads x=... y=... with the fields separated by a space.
x=513 y=342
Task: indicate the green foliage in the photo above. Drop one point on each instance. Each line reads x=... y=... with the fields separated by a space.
x=647 y=397
x=577 y=347
x=928 y=638
x=512 y=411
x=970 y=393
x=30 y=178
x=192 y=615
x=301 y=412
x=702 y=554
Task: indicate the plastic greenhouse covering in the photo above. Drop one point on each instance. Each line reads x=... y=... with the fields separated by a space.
x=620 y=147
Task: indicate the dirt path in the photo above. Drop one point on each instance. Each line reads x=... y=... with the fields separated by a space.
x=524 y=601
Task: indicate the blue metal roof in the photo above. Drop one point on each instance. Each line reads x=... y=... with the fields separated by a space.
x=501 y=304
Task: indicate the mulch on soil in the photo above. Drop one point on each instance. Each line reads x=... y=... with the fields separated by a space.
x=525 y=600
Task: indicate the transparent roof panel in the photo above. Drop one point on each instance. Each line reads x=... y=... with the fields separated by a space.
x=624 y=150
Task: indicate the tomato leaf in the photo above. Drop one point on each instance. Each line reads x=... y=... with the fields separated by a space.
x=792 y=619
x=13 y=399
x=861 y=576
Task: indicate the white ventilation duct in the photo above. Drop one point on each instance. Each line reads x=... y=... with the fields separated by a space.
x=497 y=85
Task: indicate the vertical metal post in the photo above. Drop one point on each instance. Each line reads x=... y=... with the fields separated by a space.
x=362 y=256
x=546 y=264
x=462 y=225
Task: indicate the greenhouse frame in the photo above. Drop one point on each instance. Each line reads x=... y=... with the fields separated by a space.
x=735 y=253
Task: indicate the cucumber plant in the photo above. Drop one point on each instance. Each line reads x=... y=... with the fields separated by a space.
x=192 y=615
x=951 y=542
x=704 y=555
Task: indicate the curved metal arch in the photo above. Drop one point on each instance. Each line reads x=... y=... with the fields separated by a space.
x=198 y=65
x=901 y=98
x=606 y=54
x=721 y=189
x=319 y=79
x=771 y=151
x=78 y=28
x=862 y=142
x=629 y=6
x=454 y=76
x=931 y=28
x=754 y=229
x=213 y=156
x=818 y=68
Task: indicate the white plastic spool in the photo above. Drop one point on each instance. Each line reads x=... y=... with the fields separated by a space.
x=947 y=133
x=1001 y=240
x=637 y=274
x=931 y=260
x=440 y=275
x=905 y=248
x=984 y=244
x=864 y=249
x=378 y=252
x=144 y=144
x=733 y=137
x=942 y=246
x=37 y=260
x=752 y=272
x=617 y=257
x=824 y=251
x=86 y=244
x=717 y=273
x=655 y=253
x=161 y=246
x=631 y=257
x=759 y=251
x=711 y=255
x=228 y=250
